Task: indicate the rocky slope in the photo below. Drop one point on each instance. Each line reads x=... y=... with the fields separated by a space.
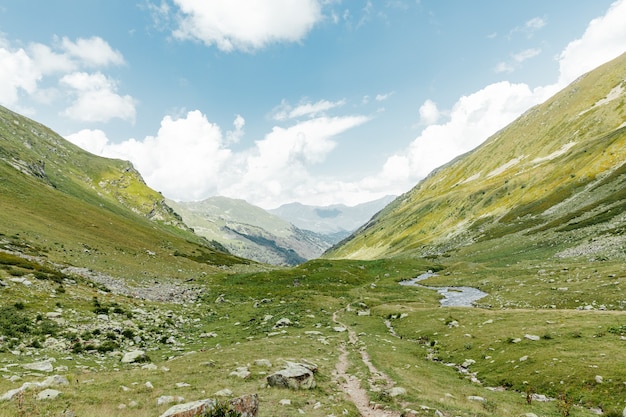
x=554 y=178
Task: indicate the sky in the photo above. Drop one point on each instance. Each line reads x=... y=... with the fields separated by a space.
x=278 y=101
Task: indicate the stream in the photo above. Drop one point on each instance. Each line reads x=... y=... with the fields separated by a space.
x=453 y=296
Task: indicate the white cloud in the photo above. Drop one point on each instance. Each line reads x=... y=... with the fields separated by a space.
x=189 y=158
x=517 y=60
x=96 y=99
x=284 y=111
x=429 y=113
x=18 y=73
x=383 y=97
x=535 y=23
x=92 y=52
x=95 y=96
x=526 y=54
x=246 y=25
x=603 y=40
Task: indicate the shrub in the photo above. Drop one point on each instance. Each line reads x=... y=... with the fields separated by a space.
x=221 y=409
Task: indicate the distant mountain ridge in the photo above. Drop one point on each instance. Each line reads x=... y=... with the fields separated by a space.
x=334 y=219
x=554 y=178
x=251 y=232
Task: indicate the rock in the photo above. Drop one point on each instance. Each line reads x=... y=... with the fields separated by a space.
x=43 y=366
x=190 y=409
x=48 y=394
x=55 y=380
x=468 y=363
x=294 y=376
x=241 y=372
x=624 y=412
x=339 y=329
x=53 y=315
x=396 y=391
x=168 y=399
x=599 y=379
x=8 y=396
x=247 y=405
x=182 y=385
x=285 y=402
x=224 y=393
x=523 y=358
x=150 y=367
x=453 y=323
x=263 y=362
x=476 y=398
x=134 y=356
x=530 y=415
x=149 y=385
x=284 y=322
x=531 y=337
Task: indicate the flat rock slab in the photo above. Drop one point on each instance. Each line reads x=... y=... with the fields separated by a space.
x=247 y=405
x=294 y=376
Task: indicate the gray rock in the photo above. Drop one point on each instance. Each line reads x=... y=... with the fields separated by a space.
x=294 y=376
x=168 y=399
x=247 y=405
x=624 y=412
x=43 y=366
x=134 y=356
x=55 y=380
x=224 y=393
x=48 y=394
x=476 y=398
x=396 y=391
x=241 y=372
x=263 y=362
x=8 y=396
x=532 y=337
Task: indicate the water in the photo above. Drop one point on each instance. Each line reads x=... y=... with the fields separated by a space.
x=453 y=296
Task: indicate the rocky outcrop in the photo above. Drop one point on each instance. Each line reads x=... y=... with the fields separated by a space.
x=247 y=405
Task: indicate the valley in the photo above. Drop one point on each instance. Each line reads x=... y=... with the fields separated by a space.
x=111 y=305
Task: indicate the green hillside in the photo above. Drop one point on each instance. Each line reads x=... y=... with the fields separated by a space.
x=554 y=177
x=74 y=208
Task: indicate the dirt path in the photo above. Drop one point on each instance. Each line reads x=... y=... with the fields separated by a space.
x=351 y=385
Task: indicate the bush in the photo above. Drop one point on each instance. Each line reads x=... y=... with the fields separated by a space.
x=221 y=409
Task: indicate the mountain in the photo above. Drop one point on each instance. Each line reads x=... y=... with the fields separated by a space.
x=75 y=208
x=251 y=232
x=337 y=219
x=553 y=179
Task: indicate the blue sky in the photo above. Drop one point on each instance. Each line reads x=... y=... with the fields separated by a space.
x=274 y=101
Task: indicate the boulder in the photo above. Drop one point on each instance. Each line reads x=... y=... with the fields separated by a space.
x=43 y=366
x=134 y=356
x=247 y=406
x=294 y=376
x=48 y=394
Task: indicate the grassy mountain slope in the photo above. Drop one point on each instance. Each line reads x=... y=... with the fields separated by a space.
x=250 y=232
x=554 y=175
x=75 y=208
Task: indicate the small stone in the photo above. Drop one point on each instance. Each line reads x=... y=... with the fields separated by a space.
x=476 y=398
x=150 y=367
x=182 y=385
x=285 y=402
x=532 y=337
x=523 y=358
x=224 y=393
x=339 y=329
x=468 y=363
x=599 y=379
x=241 y=372
x=396 y=391
x=43 y=366
x=149 y=385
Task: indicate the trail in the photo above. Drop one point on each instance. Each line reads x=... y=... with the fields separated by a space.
x=351 y=385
